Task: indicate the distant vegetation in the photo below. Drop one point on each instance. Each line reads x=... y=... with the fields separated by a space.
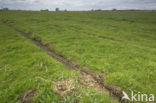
x=44 y=10
x=4 y=9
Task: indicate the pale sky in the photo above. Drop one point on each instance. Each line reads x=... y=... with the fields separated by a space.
x=78 y=4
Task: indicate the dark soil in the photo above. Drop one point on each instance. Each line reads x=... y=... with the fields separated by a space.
x=27 y=96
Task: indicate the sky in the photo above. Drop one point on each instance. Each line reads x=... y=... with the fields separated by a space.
x=78 y=4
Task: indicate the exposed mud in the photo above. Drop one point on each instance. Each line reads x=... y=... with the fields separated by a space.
x=63 y=87
x=88 y=80
x=91 y=79
x=27 y=96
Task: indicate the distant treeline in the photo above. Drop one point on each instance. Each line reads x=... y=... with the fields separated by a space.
x=4 y=9
x=57 y=9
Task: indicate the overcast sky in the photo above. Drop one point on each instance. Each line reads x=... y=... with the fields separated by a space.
x=78 y=4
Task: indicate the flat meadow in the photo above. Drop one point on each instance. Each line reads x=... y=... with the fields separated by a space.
x=119 y=45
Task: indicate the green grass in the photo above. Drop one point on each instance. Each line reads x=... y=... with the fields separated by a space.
x=21 y=70
x=129 y=63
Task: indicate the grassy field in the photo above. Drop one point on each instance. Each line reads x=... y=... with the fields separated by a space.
x=24 y=67
x=119 y=45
